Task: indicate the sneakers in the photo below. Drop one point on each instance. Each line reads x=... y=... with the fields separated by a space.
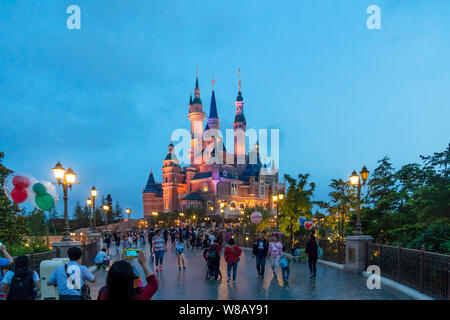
x=184 y=268
x=179 y=268
x=156 y=269
x=160 y=268
x=228 y=281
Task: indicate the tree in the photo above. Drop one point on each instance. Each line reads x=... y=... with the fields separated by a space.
x=298 y=202
x=55 y=222
x=252 y=228
x=117 y=213
x=80 y=217
x=12 y=223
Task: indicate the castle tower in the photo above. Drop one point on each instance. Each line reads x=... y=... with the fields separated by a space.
x=239 y=126
x=172 y=177
x=213 y=119
x=196 y=117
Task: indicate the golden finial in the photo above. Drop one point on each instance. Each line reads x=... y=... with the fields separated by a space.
x=239 y=79
x=196 y=71
x=213 y=82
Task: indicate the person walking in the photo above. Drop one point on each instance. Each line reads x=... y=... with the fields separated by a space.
x=179 y=247
x=275 y=249
x=120 y=282
x=285 y=261
x=166 y=236
x=158 y=249
x=70 y=278
x=232 y=257
x=312 y=247
x=260 y=249
x=212 y=257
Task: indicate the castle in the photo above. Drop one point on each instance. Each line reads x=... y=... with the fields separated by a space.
x=204 y=184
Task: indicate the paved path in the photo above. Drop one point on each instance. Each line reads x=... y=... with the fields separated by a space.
x=331 y=283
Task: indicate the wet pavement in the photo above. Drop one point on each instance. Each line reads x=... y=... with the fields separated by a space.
x=330 y=283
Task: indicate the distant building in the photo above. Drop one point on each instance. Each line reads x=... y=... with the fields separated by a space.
x=203 y=185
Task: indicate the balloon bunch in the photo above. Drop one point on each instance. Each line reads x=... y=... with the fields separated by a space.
x=305 y=223
x=21 y=187
x=256 y=217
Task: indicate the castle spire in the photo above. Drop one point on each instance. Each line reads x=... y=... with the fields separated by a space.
x=213 y=119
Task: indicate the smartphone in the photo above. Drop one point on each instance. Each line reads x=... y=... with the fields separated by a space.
x=132 y=253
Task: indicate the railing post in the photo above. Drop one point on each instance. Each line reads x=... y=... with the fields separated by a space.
x=422 y=249
x=448 y=284
x=398 y=263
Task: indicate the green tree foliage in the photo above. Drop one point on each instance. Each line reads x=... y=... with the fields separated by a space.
x=12 y=222
x=36 y=222
x=80 y=217
x=298 y=202
x=411 y=206
x=54 y=222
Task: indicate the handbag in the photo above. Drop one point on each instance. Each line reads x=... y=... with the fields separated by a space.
x=319 y=251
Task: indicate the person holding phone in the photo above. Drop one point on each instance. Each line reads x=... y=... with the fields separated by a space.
x=120 y=282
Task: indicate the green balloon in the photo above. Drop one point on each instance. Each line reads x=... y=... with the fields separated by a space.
x=39 y=189
x=45 y=201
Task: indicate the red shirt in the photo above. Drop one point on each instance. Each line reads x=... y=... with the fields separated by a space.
x=143 y=293
x=231 y=255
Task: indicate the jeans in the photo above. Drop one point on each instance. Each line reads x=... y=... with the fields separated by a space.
x=260 y=264
x=286 y=272
x=159 y=256
x=274 y=263
x=312 y=265
x=234 y=267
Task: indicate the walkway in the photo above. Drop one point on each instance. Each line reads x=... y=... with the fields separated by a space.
x=331 y=283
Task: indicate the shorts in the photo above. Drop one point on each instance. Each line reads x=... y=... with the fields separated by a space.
x=180 y=250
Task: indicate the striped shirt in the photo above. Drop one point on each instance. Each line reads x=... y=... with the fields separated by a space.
x=158 y=243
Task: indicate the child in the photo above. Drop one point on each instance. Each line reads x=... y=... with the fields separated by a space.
x=285 y=260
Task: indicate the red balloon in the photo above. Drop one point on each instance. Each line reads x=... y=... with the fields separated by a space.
x=308 y=225
x=21 y=182
x=19 y=195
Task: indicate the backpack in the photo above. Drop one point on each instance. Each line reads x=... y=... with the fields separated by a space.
x=22 y=287
x=212 y=254
x=283 y=262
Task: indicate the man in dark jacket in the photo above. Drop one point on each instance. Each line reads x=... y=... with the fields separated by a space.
x=260 y=249
x=311 y=249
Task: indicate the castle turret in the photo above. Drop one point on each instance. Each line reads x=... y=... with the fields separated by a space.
x=172 y=178
x=239 y=126
x=196 y=117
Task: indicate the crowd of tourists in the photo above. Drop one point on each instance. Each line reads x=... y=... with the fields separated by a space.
x=122 y=281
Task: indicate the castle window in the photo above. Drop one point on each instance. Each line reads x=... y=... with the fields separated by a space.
x=191 y=205
x=167 y=204
x=205 y=187
x=224 y=173
x=166 y=192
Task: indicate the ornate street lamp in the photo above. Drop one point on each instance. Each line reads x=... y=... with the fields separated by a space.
x=276 y=199
x=94 y=193
x=65 y=178
x=356 y=182
x=89 y=202
x=128 y=212
x=106 y=209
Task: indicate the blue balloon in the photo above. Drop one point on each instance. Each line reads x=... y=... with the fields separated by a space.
x=302 y=221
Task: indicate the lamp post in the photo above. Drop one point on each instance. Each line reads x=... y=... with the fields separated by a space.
x=276 y=199
x=211 y=208
x=223 y=205
x=65 y=178
x=106 y=209
x=356 y=182
x=154 y=214
x=128 y=212
x=181 y=214
x=94 y=193
x=89 y=203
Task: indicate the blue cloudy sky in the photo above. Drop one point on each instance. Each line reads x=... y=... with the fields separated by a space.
x=105 y=99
